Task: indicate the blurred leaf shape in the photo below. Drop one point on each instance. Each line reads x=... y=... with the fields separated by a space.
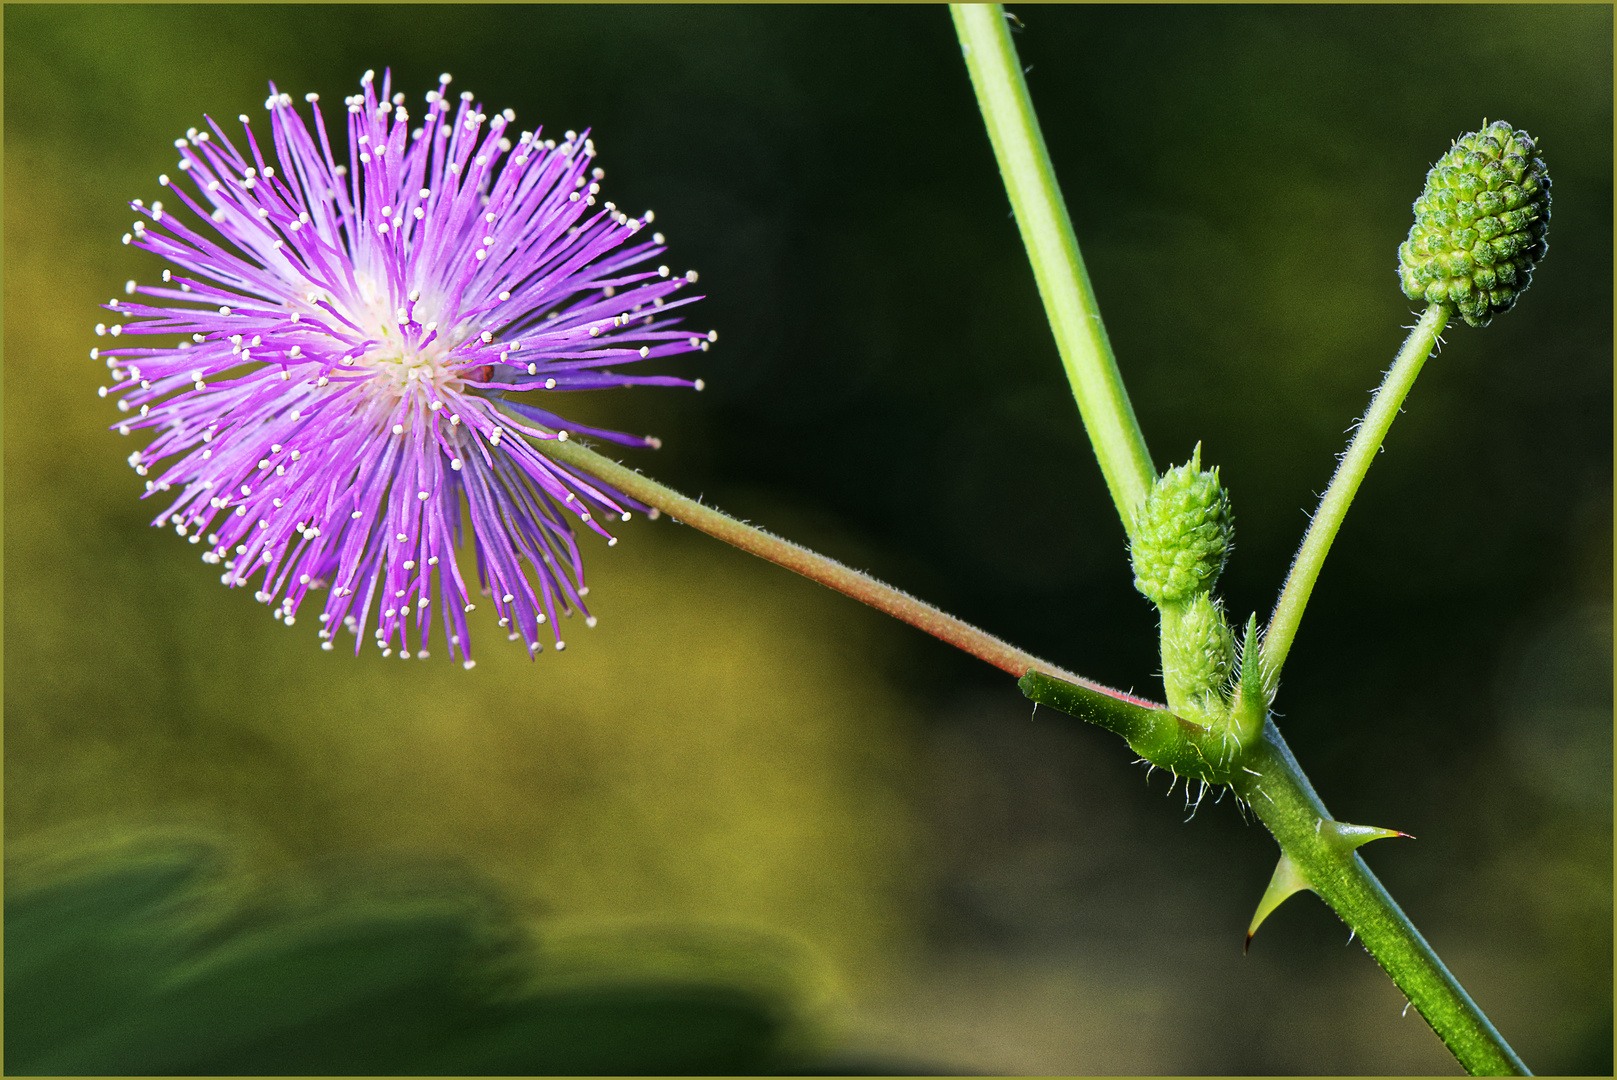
x=126 y=968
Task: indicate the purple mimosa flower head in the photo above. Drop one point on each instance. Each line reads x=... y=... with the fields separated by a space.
x=351 y=340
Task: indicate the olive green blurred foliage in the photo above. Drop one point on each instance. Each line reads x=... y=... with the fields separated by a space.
x=133 y=965
x=737 y=755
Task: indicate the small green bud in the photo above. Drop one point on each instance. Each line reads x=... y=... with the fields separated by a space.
x=1198 y=654
x=1479 y=225
x=1182 y=534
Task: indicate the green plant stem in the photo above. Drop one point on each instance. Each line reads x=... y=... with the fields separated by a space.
x=1333 y=505
x=1286 y=803
x=1270 y=780
x=817 y=567
x=1266 y=775
x=1058 y=267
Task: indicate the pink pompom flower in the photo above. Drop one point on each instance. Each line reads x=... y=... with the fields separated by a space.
x=366 y=354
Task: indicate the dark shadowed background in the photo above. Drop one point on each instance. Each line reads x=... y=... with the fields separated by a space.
x=742 y=783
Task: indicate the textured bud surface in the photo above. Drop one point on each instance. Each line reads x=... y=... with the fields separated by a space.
x=1182 y=534
x=1479 y=224
x=1198 y=654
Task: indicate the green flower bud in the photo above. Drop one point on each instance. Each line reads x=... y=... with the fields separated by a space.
x=1198 y=654
x=1479 y=225
x=1182 y=534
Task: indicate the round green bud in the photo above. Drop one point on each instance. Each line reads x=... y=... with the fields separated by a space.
x=1479 y=225
x=1198 y=654
x=1182 y=534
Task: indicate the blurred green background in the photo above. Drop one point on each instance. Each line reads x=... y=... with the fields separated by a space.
x=740 y=780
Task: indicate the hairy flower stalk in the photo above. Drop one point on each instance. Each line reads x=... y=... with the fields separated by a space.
x=1480 y=228
x=339 y=399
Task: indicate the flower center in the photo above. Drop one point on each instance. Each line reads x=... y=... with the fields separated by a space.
x=409 y=351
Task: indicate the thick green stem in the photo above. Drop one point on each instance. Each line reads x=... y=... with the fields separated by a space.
x=1274 y=785
x=1041 y=214
x=816 y=567
x=1267 y=777
x=1333 y=506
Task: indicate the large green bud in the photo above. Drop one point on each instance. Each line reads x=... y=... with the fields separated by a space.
x=1182 y=534
x=1479 y=225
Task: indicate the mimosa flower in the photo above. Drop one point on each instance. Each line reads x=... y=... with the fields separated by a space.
x=343 y=397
